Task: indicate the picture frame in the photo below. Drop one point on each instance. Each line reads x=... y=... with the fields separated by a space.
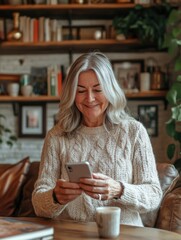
x=148 y=115
x=39 y=80
x=127 y=73
x=82 y=32
x=32 y=120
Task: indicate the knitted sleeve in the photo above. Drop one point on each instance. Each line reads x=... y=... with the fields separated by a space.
x=145 y=193
x=49 y=172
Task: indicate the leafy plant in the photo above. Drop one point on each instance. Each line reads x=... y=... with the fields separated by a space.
x=146 y=24
x=172 y=41
x=6 y=133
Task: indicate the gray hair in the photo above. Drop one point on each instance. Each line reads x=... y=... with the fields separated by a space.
x=69 y=116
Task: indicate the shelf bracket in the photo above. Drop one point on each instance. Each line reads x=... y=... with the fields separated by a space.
x=15 y=106
x=70 y=57
x=165 y=104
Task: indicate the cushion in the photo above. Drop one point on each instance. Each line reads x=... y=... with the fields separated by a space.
x=26 y=208
x=168 y=176
x=169 y=217
x=11 y=182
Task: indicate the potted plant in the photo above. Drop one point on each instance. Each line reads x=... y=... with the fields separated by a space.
x=172 y=41
x=6 y=135
x=145 y=24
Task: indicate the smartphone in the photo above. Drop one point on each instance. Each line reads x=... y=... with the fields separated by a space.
x=76 y=171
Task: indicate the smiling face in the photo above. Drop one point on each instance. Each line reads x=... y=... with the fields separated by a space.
x=90 y=99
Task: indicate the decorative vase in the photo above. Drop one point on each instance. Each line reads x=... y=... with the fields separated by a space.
x=15 y=34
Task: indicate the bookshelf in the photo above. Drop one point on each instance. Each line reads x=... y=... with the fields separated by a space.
x=71 y=12
x=152 y=95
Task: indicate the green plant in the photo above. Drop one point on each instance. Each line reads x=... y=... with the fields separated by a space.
x=172 y=41
x=146 y=24
x=5 y=133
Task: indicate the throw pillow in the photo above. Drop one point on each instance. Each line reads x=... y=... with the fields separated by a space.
x=168 y=176
x=11 y=182
x=169 y=217
x=26 y=208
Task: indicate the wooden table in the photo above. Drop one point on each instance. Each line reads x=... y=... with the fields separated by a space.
x=71 y=230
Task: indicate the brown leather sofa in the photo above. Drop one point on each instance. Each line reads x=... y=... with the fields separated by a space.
x=17 y=182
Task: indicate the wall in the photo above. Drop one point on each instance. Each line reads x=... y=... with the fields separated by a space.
x=32 y=147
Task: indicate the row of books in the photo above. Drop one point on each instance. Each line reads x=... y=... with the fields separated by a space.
x=34 y=29
x=48 y=2
x=54 y=80
x=47 y=80
x=40 y=29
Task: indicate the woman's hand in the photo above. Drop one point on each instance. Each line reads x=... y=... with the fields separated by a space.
x=101 y=187
x=65 y=191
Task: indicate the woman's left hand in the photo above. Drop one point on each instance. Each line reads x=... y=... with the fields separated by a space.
x=101 y=187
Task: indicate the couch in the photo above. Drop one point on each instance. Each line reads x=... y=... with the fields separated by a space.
x=17 y=182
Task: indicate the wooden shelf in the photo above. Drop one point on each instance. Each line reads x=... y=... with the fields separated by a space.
x=75 y=6
x=152 y=94
x=108 y=10
x=10 y=99
x=9 y=77
x=70 y=12
x=76 y=46
x=26 y=7
x=140 y=95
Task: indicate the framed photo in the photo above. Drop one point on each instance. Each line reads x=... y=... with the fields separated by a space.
x=39 y=80
x=148 y=115
x=32 y=120
x=83 y=32
x=91 y=32
x=127 y=72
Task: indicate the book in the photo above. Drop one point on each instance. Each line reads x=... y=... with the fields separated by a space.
x=2 y=33
x=11 y=228
x=54 y=80
x=39 y=80
x=35 y=30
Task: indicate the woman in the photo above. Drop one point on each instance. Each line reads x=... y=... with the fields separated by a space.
x=94 y=126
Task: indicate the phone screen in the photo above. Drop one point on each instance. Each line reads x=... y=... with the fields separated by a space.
x=76 y=171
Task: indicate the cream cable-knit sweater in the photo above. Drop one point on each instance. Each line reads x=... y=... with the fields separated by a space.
x=124 y=153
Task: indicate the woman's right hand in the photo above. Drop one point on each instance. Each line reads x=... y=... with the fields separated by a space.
x=65 y=191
